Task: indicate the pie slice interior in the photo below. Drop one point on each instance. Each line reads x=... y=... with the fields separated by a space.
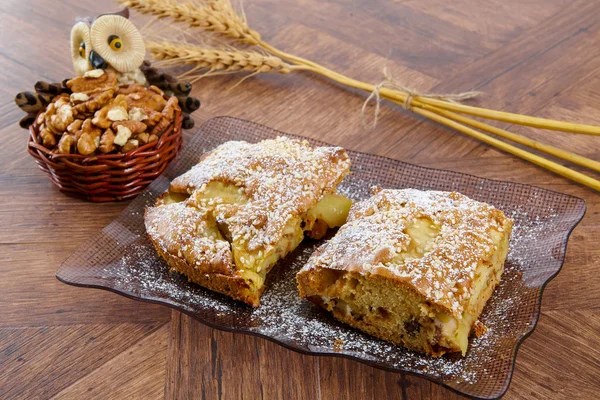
x=411 y=267
x=226 y=222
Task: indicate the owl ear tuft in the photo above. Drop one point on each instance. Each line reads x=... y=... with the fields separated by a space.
x=85 y=20
x=123 y=13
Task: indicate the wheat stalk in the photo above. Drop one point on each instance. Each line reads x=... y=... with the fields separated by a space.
x=213 y=15
x=217 y=61
x=219 y=16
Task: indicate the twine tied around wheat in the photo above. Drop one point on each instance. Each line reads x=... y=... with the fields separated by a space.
x=390 y=83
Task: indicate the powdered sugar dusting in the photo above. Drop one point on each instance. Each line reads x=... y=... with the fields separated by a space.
x=122 y=258
x=281 y=177
x=285 y=316
x=464 y=234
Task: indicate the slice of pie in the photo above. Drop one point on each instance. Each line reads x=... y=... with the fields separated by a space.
x=227 y=221
x=411 y=267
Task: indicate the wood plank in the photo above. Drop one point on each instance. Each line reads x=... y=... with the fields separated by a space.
x=234 y=366
x=536 y=57
x=552 y=59
x=403 y=31
x=28 y=275
x=538 y=39
x=341 y=378
x=558 y=361
x=575 y=104
x=136 y=373
x=40 y=362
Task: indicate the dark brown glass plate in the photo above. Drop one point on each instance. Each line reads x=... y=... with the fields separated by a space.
x=121 y=259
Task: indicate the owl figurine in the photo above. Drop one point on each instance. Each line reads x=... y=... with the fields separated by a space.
x=109 y=41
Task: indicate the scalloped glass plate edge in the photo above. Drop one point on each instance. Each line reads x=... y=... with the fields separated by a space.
x=74 y=274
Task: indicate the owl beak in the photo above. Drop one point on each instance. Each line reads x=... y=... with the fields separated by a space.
x=97 y=61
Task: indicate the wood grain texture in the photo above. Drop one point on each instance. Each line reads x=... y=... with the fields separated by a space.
x=538 y=57
x=136 y=373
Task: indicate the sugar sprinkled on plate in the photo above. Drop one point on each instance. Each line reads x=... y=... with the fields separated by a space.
x=543 y=220
x=287 y=317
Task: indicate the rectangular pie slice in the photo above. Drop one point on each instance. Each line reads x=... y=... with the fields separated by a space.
x=411 y=267
x=227 y=221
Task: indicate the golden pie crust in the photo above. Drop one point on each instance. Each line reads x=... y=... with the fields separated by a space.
x=412 y=267
x=227 y=221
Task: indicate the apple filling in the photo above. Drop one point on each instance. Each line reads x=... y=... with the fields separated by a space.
x=331 y=211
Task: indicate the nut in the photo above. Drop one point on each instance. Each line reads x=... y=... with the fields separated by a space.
x=96 y=101
x=88 y=127
x=90 y=120
x=130 y=88
x=74 y=126
x=118 y=109
x=146 y=99
x=137 y=114
x=143 y=137
x=117 y=114
x=162 y=125
x=86 y=144
x=48 y=139
x=64 y=144
x=146 y=138
x=58 y=115
x=84 y=116
x=123 y=134
x=78 y=98
x=153 y=117
x=40 y=118
x=50 y=111
x=62 y=98
x=88 y=84
x=156 y=90
x=120 y=101
x=170 y=108
x=168 y=115
x=95 y=73
x=101 y=118
x=88 y=138
x=131 y=144
x=115 y=110
x=133 y=126
x=107 y=141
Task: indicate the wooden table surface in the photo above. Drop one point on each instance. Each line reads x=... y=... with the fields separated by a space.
x=539 y=57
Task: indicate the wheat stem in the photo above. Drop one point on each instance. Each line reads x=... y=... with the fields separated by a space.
x=553 y=151
x=525 y=155
x=525 y=120
x=218 y=16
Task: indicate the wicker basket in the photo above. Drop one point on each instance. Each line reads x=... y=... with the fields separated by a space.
x=108 y=177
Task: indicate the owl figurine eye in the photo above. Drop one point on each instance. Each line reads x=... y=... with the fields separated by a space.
x=81 y=47
x=118 y=42
x=115 y=43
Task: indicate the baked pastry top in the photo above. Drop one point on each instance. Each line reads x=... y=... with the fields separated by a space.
x=226 y=221
x=412 y=267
